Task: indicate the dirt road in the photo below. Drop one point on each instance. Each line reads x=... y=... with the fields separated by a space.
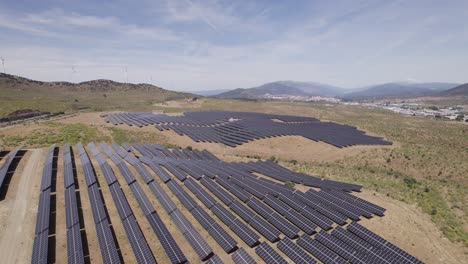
x=17 y=240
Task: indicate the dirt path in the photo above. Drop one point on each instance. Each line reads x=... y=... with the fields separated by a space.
x=17 y=240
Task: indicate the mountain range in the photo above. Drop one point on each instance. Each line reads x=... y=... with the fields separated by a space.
x=380 y=91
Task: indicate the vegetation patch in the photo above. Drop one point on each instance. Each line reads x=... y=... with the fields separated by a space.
x=55 y=133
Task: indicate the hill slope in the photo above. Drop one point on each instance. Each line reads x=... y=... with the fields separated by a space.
x=457 y=91
x=388 y=90
x=398 y=90
x=283 y=88
x=20 y=93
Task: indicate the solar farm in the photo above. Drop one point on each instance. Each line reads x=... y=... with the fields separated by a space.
x=236 y=128
x=151 y=204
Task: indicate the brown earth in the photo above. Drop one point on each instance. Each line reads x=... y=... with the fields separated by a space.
x=18 y=210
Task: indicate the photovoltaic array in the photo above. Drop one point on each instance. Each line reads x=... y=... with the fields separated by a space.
x=237 y=128
x=8 y=164
x=243 y=207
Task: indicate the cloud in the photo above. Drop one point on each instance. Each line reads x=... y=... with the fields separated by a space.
x=57 y=22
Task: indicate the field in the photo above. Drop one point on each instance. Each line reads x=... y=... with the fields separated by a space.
x=422 y=177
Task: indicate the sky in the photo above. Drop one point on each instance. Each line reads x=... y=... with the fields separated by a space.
x=191 y=45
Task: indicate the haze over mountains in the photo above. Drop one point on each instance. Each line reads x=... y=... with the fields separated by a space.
x=380 y=91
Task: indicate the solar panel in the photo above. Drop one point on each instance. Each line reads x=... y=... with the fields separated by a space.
x=170 y=246
x=215 y=259
x=74 y=245
x=40 y=248
x=106 y=243
x=137 y=241
x=269 y=255
x=42 y=222
x=284 y=226
x=223 y=214
x=97 y=205
x=162 y=197
x=121 y=203
x=264 y=228
x=240 y=209
x=142 y=199
x=71 y=207
x=294 y=252
x=200 y=246
x=244 y=232
x=197 y=242
x=359 y=244
x=395 y=253
x=222 y=237
x=202 y=217
x=319 y=251
x=341 y=248
x=182 y=195
x=242 y=257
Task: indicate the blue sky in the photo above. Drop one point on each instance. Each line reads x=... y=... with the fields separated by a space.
x=204 y=45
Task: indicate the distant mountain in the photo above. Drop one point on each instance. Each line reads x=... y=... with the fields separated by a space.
x=314 y=88
x=437 y=86
x=397 y=90
x=209 y=92
x=456 y=91
x=284 y=88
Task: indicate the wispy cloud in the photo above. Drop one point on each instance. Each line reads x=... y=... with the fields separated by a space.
x=58 y=22
x=193 y=44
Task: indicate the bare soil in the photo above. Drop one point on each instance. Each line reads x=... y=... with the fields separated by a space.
x=19 y=209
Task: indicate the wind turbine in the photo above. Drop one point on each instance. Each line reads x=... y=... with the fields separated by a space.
x=73 y=73
x=3 y=63
x=126 y=74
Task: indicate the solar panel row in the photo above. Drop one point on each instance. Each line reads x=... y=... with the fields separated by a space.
x=41 y=238
x=74 y=243
x=7 y=165
x=194 y=238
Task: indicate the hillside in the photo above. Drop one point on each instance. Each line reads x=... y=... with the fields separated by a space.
x=283 y=88
x=461 y=90
x=389 y=90
x=436 y=86
x=19 y=93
